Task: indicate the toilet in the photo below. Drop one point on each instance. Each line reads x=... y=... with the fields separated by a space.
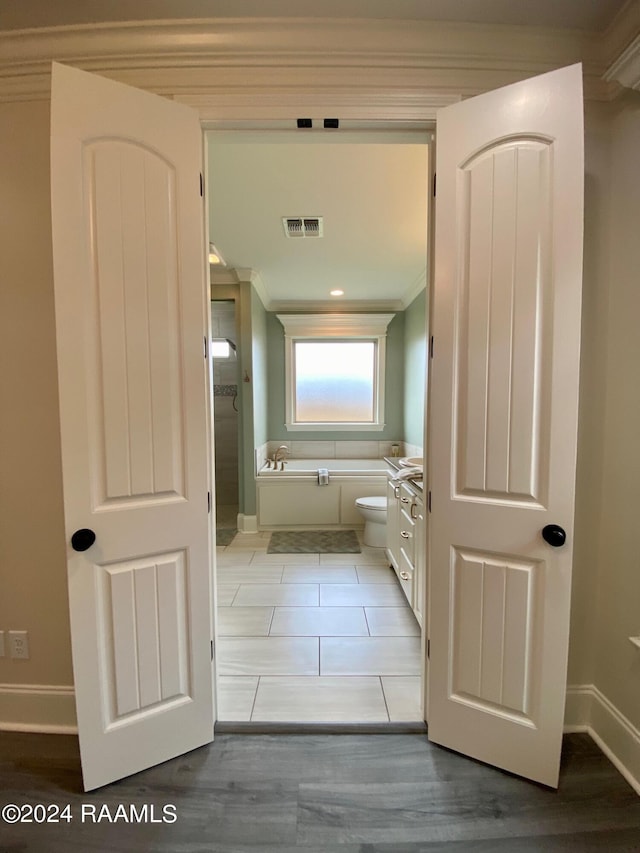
x=374 y=511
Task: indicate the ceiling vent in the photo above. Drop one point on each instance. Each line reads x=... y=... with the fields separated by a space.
x=302 y=226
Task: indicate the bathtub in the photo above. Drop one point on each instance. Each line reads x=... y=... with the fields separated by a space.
x=293 y=497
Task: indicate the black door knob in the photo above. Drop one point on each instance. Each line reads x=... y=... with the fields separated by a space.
x=554 y=535
x=83 y=539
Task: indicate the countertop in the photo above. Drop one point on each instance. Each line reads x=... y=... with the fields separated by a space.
x=394 y=463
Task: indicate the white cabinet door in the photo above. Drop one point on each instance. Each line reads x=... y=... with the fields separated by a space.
x=420 y=561
x=504 y=396
x=131 y=307
x=393 y=524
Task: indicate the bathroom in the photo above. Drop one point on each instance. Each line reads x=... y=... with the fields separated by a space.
x=370 y=192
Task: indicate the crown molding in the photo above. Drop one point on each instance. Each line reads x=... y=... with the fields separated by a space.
x=199 y=61
x=335 y=324
x=242 y=111
x=317 y=306
x=233 y=276
x=417 y=287
x=615 y=44
x=622 y=30
x=626 y=69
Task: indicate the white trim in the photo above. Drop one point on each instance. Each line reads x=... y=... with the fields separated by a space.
x=38 y=708
x=578 y=708
x=247 y=523
x=419 y=65
x=589 y=710
x=335 y=325
x=416 y=288
x=371 y=327
x=626 y=69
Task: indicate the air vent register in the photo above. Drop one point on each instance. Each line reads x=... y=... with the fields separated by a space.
x=302 y=226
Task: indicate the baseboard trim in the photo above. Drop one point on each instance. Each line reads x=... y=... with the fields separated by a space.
x=43 y=708
x=247 y=523
x=589 y=710
x=577 y=713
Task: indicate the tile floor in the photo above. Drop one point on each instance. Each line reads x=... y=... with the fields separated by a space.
x=313 y=637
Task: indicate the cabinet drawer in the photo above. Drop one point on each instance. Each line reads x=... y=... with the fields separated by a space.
x=407 y=537
x=405 y=576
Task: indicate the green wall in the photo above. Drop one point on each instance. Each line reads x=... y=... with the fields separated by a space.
x=415 y=354
x=259 y=377
x=394 y=379
x=252 y=390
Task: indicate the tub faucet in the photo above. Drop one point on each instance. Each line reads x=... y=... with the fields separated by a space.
x=279 y=456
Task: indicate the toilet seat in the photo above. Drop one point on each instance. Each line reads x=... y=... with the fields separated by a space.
x=372 y=502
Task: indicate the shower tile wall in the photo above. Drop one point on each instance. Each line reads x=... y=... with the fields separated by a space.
x=225 y=387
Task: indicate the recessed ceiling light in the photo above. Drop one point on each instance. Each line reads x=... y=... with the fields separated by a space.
x=337 y=293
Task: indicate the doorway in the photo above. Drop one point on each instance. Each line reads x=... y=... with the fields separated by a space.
x=314 y=637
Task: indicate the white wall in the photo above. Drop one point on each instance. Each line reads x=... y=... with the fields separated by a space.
x=33 y=584
x=592 y=379
x=617 y=596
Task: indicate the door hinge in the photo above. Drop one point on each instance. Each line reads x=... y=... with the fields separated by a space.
x=431 y=347
x=429 y=501
x=208 y=501
x=201 y=184
x=428 y=648
x=206 y=349
x=211 y=649
x=434 y=184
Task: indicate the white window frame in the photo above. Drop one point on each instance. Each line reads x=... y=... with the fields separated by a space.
x=343 y=327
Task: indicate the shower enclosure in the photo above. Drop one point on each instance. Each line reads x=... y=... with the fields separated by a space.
x=225 y=417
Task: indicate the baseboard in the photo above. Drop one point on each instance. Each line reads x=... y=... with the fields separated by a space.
x=37 y=708
x=247 y=523
x=577 y=713
x=589 y=710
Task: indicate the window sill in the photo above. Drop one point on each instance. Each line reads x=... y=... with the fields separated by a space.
x=325 y=427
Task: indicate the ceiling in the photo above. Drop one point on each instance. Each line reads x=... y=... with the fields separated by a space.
x=593 y=15
x=370 y=190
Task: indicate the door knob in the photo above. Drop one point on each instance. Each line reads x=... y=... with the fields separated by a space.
x=83 y=539
x=554 y=535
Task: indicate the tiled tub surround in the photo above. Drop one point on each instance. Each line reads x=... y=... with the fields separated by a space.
x=353 y=449
x=314 y=637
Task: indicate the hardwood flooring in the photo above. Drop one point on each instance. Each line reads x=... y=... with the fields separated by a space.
x=319 y=793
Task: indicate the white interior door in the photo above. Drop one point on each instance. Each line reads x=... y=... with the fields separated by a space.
x=131 y=312
x=503 y=419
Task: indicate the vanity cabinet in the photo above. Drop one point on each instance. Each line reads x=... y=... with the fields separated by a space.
x=406 y=542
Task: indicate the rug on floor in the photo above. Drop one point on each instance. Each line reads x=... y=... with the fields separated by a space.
x=313 y=542
x=225 y=535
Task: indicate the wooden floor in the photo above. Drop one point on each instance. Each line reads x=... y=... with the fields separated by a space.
x=320 y=793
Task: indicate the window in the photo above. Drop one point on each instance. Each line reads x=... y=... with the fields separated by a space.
x=335 y=371
x=220 y=348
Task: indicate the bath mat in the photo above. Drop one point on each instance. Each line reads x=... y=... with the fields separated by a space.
x=313 y=542
x=225 y=535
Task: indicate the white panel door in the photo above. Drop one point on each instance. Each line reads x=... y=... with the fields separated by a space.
x=131 y=316
x=503 y=410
